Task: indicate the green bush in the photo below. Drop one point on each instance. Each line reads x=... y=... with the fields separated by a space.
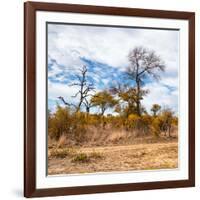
x=59 y=153
x=82 y=157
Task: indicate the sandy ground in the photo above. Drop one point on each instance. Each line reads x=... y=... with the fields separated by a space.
x=117 y=158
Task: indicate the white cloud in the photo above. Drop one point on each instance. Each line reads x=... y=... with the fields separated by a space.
x=67 y=43
x=159 y=94
x=57 y=89
x=170 y=81
x=108 y=45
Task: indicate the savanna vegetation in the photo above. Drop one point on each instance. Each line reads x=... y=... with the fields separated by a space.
x=83 y=138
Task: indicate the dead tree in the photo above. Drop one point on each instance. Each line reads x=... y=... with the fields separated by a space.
x=88 y=105
x=84 y=87
x=84 y=90
x=66 y=103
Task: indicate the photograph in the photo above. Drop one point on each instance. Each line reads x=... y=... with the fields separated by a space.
x=109 y=99
x=112 y=98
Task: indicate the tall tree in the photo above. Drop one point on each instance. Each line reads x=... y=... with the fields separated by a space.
x=144 y=63
x=103 y=100
x=84 y=90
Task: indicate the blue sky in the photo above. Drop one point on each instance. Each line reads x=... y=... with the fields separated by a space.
x=104 y=50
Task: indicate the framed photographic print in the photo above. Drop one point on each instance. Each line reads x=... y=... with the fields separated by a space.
x=109 y=99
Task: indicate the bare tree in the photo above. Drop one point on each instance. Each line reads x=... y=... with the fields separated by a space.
x=66 y=103
x=63 y=100
x=88 y=104
x=85 y=87
x=144 y=63
x=84 y=90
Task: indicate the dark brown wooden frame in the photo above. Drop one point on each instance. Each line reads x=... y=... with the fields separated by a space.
x=30 y=9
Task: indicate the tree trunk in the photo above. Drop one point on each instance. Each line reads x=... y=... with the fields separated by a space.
x=138 y=89
x=169 y=130
x=79 y=105
x=138 y=98
x=88 y=110
x=102 y=111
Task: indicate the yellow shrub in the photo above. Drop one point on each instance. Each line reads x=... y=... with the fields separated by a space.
x=133 y=117
x=175 y=121
x=156 y=126
x=132 y=122
x=59 y=123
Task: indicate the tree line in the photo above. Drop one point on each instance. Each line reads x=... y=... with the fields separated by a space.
x=124 y=99
x=144 y=64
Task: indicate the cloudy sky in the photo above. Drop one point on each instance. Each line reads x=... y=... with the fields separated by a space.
x=104 y=50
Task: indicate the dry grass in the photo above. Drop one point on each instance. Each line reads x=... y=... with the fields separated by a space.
x=62 y=141
x=113 y=150
x=96 y=155
x=108 y=137
x=118 y=135
x=116 y=158
x=59 y=153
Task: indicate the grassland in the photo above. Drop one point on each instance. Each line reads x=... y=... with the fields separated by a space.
x=137 y=154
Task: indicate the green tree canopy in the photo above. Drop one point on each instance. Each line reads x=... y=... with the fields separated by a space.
x=103 y=100
x=155 y=108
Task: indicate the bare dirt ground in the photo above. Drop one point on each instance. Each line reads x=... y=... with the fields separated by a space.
x=148 y=156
